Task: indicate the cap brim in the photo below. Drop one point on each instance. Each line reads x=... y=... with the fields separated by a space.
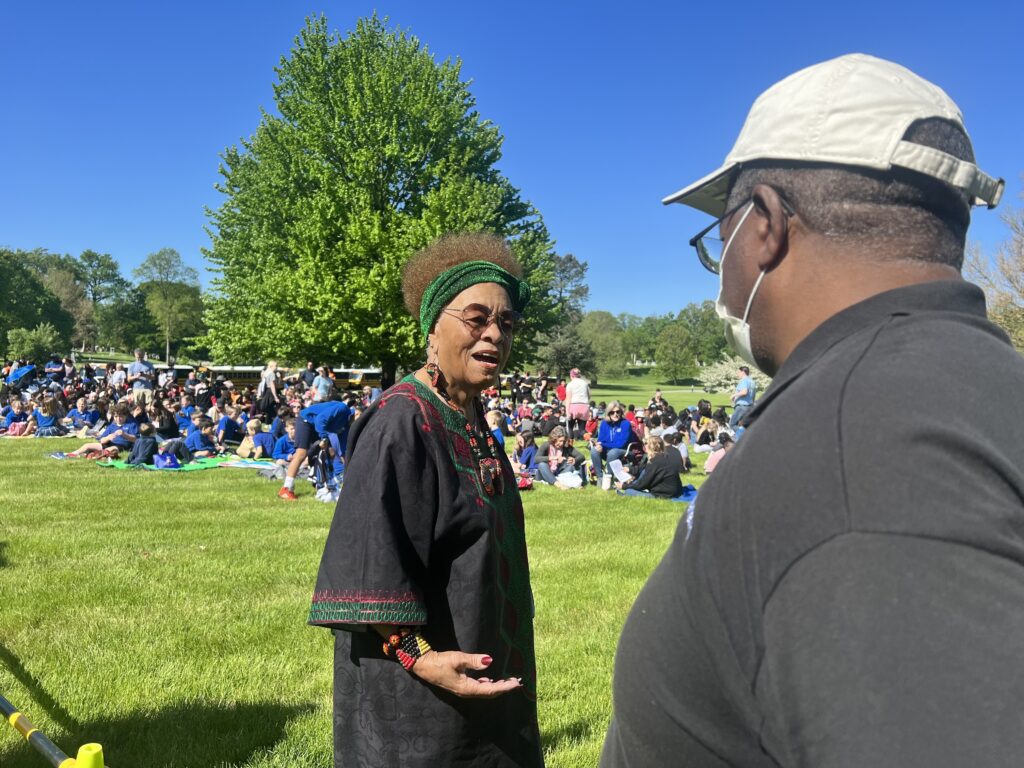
x=710 y=194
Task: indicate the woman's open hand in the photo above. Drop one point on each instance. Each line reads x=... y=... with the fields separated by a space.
x=447 y=670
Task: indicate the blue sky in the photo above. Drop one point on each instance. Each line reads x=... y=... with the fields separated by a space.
x=114 y=113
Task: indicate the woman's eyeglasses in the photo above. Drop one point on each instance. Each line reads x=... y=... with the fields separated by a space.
x=477 y=318
x=614 y=413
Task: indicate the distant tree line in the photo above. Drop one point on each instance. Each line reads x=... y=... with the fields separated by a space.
x=51 y=303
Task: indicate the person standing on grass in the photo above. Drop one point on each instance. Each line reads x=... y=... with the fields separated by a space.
x=577 y=400
x=743 y=397
x=141 y=375
x=863 y=606
x=424 y=576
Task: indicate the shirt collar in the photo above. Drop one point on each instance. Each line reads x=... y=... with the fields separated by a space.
x=936 y=296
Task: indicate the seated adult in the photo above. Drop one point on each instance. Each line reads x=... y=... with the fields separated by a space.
x=557 y=456
x=660 y=478
x=613 y=435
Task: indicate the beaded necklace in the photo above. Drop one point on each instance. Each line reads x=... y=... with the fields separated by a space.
x=488 y=467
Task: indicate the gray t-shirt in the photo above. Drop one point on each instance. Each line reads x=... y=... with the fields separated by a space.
x=145 y=370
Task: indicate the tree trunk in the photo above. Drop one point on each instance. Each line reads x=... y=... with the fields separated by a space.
x=387 y=374
x=167 y=350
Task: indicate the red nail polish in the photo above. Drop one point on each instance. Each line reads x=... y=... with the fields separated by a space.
x=487 y=661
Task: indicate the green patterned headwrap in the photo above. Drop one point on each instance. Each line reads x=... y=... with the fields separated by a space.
x=454 y=281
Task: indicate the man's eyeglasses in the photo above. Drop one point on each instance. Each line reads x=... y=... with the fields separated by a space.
x=477 y=318
x=709 y=247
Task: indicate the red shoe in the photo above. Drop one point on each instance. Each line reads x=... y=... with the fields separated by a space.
x=286 y=494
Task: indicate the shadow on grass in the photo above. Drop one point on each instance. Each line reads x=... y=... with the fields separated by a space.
x=3 y=554
x=200 y=735
x=39 y=694
x=576 y=732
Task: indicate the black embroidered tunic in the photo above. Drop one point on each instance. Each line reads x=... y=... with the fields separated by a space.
x=416 y=541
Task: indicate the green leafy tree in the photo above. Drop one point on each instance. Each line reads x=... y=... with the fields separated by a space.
x=172 y=294
x=35 y=344
x=101 y=277
x=125 y=323
x=70 y=292
x=376 y=150
x=569 y=289
x=564 y=350
x=705 y=329
x=675 y=353
x=25 y=302
x=604 y=334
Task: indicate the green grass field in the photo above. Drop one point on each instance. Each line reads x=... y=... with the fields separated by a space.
x=163 y=614
x=639 y=389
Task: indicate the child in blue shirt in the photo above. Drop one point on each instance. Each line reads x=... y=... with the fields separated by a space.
x=118 y=436
x=145 y=447
x=76 y=416
x=262 y=442
x=200 y=442
x=45 y=420
x=17 y=414
x=229 y=431
x=284 y=448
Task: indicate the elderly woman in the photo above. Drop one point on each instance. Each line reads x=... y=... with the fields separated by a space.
x=613 y=435
x=424 y=577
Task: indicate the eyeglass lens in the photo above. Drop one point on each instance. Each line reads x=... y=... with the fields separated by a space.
x=478 y=317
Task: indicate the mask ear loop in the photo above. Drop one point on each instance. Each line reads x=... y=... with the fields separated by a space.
x=750 y=301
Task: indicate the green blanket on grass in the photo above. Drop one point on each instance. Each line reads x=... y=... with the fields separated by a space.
x=208 y=462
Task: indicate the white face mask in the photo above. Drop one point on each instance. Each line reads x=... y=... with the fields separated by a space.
x=737 y=331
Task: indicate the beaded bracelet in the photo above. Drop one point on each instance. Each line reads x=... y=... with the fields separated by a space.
x=407 y=646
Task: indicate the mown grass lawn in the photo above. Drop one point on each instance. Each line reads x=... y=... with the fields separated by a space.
x=639 y=389
x=163 y=614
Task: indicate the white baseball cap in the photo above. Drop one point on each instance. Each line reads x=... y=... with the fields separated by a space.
x=853 y=110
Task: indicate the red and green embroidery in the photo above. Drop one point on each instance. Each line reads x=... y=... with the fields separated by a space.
x=362 y=607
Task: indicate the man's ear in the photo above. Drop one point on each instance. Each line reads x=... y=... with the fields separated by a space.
x=772 y=226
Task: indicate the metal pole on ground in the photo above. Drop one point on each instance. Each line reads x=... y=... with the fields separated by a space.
x=89 y=755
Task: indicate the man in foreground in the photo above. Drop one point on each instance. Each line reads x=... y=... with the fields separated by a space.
x=863 y=606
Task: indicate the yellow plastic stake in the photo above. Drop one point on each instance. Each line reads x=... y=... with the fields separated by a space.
x=90 y=756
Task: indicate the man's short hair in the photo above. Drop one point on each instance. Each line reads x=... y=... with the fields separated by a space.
x=745 y=369
x=879 y=210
